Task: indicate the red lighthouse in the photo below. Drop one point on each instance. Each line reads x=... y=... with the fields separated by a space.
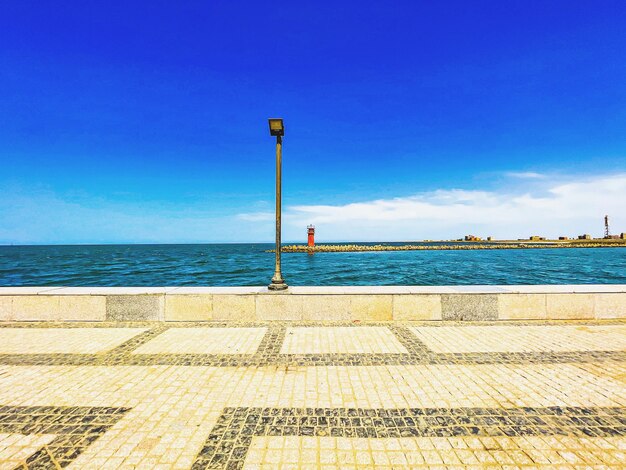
x=311 y=232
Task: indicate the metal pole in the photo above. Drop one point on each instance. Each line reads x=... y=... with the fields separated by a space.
x=278 y=282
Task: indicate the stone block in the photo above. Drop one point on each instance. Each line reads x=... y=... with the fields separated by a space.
x=373 y=290
x=317 y=290
x=325 y=307
x=522 y=307
x=570 y=306
x=479 y=289
x=5 y=308
x=371 y=307
x=227 y=307
x=188 y=307
x=417 y=307
x=610 y=306
x=469 y=307
x=26 y=290
x=279 y=306
x=134 y=307
x=216 y=290
x=120 y=290
x=82 y=308
x=35 y=308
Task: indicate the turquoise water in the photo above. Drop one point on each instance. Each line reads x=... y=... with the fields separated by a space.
x=249 y=264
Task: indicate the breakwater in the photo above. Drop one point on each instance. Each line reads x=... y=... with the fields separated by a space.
x=468 y=246
x=347 y=303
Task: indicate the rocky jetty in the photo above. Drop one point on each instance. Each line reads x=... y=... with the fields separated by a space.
x=467 y=246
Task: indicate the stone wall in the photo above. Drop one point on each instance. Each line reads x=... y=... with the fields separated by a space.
x=349 y=303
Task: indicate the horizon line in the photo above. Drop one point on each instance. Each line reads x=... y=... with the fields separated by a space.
x=430 y=240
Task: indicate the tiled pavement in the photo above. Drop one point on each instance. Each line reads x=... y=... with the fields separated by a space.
x=287 y=395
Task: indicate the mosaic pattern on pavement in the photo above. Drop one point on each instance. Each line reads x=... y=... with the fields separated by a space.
x=229 y=442
x=311 y=395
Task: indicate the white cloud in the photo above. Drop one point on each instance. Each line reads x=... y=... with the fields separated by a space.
x=554 y=208
x=525 y=175
x=257 y=216
x=549 y=207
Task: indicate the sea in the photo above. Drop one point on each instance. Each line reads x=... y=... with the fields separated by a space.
x=251 y=265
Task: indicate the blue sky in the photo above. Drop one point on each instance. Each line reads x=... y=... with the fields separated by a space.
x=146 y=121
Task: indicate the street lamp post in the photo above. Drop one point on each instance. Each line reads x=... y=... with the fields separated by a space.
x=278 y=129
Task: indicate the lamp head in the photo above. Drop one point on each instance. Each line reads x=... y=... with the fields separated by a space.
x=276 y=127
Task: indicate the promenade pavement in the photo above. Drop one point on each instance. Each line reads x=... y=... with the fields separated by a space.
x=304 y=395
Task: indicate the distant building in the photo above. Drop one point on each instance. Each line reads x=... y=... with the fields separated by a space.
x=472 y=238
x=623 y=236
x=489 y=239
x=563 y=238
x=586 y=236
x=536 y=238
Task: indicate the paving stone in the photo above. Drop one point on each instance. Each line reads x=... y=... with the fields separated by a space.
x=463 y=307
x=371 y=307
x=57 y=434
x=334 y=340
x=63 y=340
x=134 y=308
x=503 y=339
x=188 y=307
x=522 y=306
x=416 y=307
x=610 y=305
x=313 y=395
x=570 y=306
x=205 y=341
x=401 y=430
